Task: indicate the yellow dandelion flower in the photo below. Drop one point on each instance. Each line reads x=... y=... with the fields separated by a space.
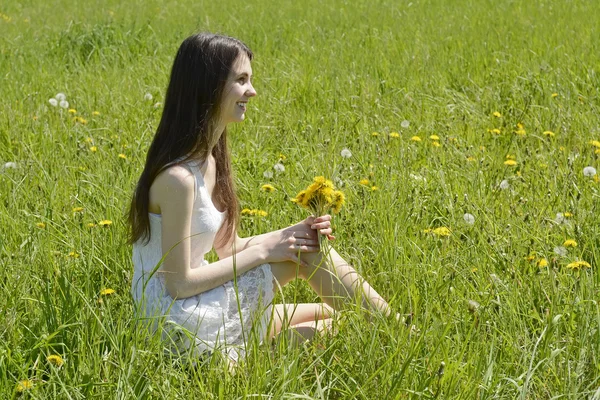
x=496 y=114
x=374 y=134
x=452 y=139
x=482 y=148
x=597 y=151
x=510 y=157
x=107 y=292
x=474 y=269
x=122 y=156
x=554 y=95
x=542 y=262
x=442 y=231
x=89 y=140
x=91 y=225
x=282 y=157
x=105 y=222
x=521 y=132
x=95 y=113
x=364 y=182
x=549 y=133
x=338 y=201
x=570 y=243
x=434 y=137
x=415 y=139
x=520 y=125
x=40 y=225
x=595 y=143
x=374 y=188
x=435 y=144
x=247 y=211
x=510 y=163
x=428 y=230
x=530 y=257
x=578 y=265
x=470 y=159
x=72 y=111
x=567 y=214
x=55 y=359
x=81 y=120
x=93 y=149
x=74 y=254
x=261 y=213
x=24 y=385
x=77 y=209
x=394 y=135
x=268 y=188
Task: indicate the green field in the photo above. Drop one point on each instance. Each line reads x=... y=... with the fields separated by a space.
x=487 y=108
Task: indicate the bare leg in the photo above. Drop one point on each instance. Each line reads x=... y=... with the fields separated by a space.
x=300 y=321
x=334 y=280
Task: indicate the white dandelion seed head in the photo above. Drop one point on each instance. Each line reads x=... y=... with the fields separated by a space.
x=469 y=218
x=405 y=124
x=268 y=174
x=560 y=218
x=148 y=96
x=10 y=165
x=560 y=251
x=64 y=104
x=338 y=181
x=589 y=171
x=53 y=102
x=279 y=167
x=346 y=153
x=157 y=105
x=504 y=185
x=60 y=96
x=416 y=177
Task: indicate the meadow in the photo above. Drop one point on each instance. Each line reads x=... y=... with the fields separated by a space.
x=470 y=136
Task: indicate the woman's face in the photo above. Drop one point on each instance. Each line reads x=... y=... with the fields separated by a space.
x=237 y=91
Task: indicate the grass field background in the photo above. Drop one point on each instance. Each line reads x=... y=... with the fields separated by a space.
x=496 y=306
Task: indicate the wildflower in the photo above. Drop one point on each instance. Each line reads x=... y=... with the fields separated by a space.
x=320 y=196
x=122 y=156
x=394 y=135
x=589 y=171
x=148 y=97
x=570 y=243
x=416 y=177
x=578 y=265
x=530 y=257
x=107 y=292
x=560 y=218
x=77 y=209
x=364 y=182
x=469 y=218
x=405 y=124
x=560 y=251
x=10 y=165
x=105 y=222
x=597 y=151
x=63 y=104
x=415 y=139
x=81 y=120
x=261 y=213
x=278 y=167
x=55 y=359
x=441 y=231
x=549 y=133
x=510 y=157
x=504 y=185
x=268 y=174
x=268 y=188
x=72 y=111
x=497 y=114
x=41 y=225
x=73 y=254
x=435 y=144
x=595 y=143
x=554 y=95
x=510 y=163
x=542 y=262
x=568 y=214
x=60 y=96
x=346 y=153
x=434 y=137
x=374 y=134
x=91 y=225
x=157 y=104
x=470 y=159
x=95 y=113
x=374 y=188
x=53 y=102
x=24 y=385
x=521 y=132
x=93 y=149
x=495 y=130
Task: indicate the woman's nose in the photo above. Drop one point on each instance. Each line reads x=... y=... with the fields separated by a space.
x=251 y=92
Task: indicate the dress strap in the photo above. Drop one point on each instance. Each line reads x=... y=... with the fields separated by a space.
x=195 y=171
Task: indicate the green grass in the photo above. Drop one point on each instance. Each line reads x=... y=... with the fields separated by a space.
x=328 y=75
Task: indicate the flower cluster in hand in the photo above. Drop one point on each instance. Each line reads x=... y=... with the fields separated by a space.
x=320 y=197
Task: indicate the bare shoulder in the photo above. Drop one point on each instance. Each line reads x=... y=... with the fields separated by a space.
x=172 y=185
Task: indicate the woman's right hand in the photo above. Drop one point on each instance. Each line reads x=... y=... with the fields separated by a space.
x=289 y=243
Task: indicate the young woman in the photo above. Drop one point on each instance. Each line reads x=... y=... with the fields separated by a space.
x=185 y=203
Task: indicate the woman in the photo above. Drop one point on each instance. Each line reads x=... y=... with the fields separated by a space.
x=185 y=203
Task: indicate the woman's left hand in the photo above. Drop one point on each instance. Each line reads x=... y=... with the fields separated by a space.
x=321 y=224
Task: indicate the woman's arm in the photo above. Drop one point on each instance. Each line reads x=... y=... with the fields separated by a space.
x=173 y=191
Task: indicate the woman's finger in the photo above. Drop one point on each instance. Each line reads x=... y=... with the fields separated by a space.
x=322 y=225
x=323 y=218
x=326 y=232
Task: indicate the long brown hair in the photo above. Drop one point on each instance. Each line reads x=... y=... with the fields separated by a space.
x=187 y=127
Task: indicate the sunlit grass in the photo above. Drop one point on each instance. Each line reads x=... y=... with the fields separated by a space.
x=482 y=108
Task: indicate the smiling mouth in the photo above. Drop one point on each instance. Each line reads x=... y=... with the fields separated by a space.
x=242 y=105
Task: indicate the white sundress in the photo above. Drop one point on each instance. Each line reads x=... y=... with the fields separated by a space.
x=218 y=319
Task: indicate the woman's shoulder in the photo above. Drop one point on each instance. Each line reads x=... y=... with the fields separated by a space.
x=175 y=180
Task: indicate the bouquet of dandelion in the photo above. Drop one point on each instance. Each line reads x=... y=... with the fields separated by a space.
x=320 y=197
